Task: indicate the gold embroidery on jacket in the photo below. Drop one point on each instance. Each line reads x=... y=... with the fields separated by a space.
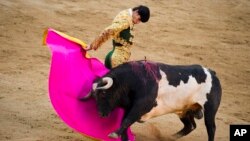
x=121 y=22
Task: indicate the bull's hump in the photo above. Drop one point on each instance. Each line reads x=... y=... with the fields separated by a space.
x=146 y=68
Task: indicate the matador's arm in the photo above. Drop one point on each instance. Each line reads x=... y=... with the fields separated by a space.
x=113 y=30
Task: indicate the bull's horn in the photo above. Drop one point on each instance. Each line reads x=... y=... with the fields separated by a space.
x=109 y=82
x=94 y=86
x=86 y=97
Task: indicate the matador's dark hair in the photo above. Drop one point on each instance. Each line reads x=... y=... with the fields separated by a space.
x=143 y=11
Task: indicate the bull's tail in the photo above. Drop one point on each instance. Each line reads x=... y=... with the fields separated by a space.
x=212 y=105
x=212 y=71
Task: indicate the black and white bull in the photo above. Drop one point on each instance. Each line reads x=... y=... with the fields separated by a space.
x=148 y=89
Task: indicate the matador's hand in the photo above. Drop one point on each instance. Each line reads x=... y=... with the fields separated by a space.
x=89 y=47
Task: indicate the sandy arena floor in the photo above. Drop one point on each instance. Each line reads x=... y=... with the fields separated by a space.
x=215 y=34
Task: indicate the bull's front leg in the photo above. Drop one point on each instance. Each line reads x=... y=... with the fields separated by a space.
x=125 y=124
x=122 y=131
x=133 y=115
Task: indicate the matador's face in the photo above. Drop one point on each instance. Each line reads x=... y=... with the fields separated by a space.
x=136 y=17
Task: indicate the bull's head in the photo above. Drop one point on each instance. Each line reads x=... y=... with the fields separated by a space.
x=101 y=91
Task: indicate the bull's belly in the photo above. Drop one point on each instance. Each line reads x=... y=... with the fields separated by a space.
x=167 y=107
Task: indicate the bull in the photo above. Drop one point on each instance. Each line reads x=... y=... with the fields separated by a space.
x=149 y=89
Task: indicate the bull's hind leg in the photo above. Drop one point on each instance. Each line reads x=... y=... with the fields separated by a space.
x=189 y=125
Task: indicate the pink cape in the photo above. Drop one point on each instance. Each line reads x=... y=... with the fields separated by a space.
x=71 y=76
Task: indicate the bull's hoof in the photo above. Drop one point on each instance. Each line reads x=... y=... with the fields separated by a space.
x=113 y=135
x=176 y=136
